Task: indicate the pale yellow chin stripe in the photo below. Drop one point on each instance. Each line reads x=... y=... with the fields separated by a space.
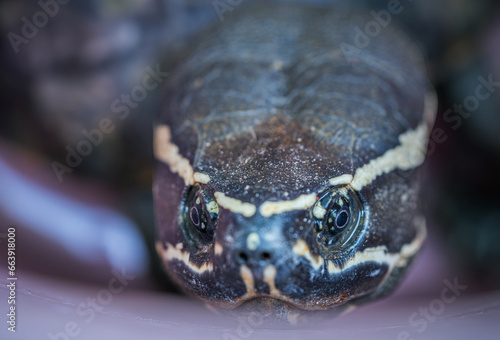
x=378 y=254
x=247 y=277
x=381 y=255
x=168 y=152
x=269 y=277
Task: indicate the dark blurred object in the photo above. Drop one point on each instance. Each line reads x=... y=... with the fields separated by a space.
x=463 y=182
x=63 y=77
x=65 y=64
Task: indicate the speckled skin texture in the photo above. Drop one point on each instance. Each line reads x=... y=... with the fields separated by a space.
x=269 y=107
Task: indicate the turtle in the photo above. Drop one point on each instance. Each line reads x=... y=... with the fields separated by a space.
x=451 y=32
x=287 y=146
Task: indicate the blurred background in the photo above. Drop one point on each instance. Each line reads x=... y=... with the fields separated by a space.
x=76 y=169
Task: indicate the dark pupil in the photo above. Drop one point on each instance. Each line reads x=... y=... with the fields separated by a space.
x=195 y=216
x=342 y=218
x=337 y=219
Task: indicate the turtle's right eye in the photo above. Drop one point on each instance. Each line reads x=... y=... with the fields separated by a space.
x=338 y=214
x=200 y=214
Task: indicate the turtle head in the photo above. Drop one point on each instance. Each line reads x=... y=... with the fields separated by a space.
x=273 y=219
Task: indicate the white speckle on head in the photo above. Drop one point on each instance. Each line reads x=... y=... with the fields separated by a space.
x=277 y=65
x=340 y=180
x=253 y=241
x=302 y=202
x=234 y=205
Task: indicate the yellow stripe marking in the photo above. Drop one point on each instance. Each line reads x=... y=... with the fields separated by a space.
x=171 y=253
x=253 y=241
x=168 y=152
x=269 y=278
x=378 y=254
x=247 y=277
x=218 y=249
x=302 y=249
x=235 y=205
x=342 y=179
x=303 y=202
x=408 y=155
x=201 y=178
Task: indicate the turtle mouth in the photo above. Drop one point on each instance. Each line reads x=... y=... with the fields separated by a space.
x=276 y=311
x=263 y=303
x=271 y=309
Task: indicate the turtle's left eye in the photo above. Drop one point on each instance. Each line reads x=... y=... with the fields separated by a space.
x=337 y=217
x=200 y=214
x=338 y=213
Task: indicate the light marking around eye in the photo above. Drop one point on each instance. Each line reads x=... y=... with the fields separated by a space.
x=319 y=212
x=377 y=254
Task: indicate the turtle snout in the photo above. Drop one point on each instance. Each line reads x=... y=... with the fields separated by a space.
x=255 y=251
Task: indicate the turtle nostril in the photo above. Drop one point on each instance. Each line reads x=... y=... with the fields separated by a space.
x=265 y=256
x=242 y=258
x=254 y=258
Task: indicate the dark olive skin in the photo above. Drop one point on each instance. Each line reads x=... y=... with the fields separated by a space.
x=271 y=104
